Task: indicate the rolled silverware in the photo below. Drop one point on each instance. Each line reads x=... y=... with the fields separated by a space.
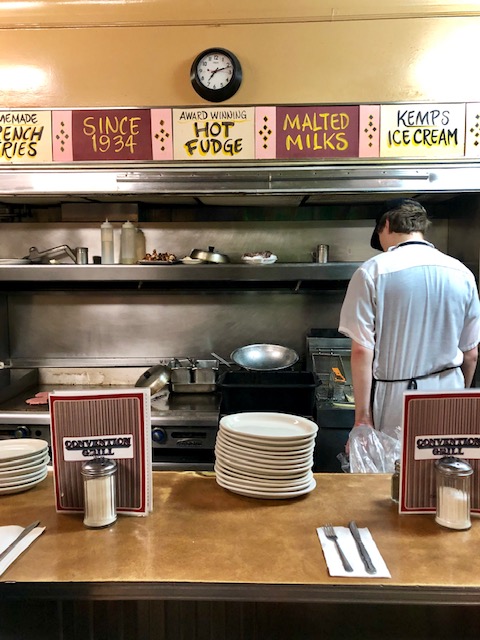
x=20 y=536
x=369 y=566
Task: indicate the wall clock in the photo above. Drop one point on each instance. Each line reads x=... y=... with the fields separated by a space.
x=216 y=74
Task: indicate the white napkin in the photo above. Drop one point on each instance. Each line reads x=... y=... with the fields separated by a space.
x=8 y=535
x=349 y=548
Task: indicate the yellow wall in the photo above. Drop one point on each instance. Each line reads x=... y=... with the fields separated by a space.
x=56 y=54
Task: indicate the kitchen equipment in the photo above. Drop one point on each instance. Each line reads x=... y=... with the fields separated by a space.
x=328 y=355
x=367 y=561
x=453 y=481
x=222 y=360
x=81 y=254
x=264 y=357
x=320 y=255
x=286 y=391
x=209 y=256
x=155 y=378
x=193 y=376
x=50 y=255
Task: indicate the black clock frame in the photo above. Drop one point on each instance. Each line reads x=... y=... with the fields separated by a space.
x=217 y=95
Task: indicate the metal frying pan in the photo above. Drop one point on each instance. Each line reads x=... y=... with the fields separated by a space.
x=264 y=357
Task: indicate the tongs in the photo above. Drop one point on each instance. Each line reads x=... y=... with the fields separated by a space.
x=39 y=257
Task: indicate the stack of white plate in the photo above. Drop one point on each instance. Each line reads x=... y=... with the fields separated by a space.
x=23 y=464
x=265 y=455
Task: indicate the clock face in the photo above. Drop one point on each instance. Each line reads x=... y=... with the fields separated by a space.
x=216 y=74
x=215 y=70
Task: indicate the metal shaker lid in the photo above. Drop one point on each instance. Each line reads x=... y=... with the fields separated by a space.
x=451 y=466
x=97 y=467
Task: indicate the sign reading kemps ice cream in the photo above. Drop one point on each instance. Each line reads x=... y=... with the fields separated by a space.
x=422 y=131
x=219 y=133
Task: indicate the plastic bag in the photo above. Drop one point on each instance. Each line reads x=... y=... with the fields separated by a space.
x=370 y=451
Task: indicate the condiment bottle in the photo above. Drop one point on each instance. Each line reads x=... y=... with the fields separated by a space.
x=453 y=480
x=128 y=254
x=99 y=492
x=395 y=488
x=107 y=242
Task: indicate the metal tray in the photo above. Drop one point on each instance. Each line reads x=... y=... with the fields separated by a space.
x=193 y=387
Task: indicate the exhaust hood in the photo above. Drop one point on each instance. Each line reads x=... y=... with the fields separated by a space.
x=252 y=184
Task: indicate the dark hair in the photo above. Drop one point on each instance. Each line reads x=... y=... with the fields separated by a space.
x=404 y=216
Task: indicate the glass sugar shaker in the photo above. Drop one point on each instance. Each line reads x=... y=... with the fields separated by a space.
x=453 y=480
x=99 y=492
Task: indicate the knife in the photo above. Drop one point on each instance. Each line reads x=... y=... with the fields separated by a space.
x=20 y=536
x=361 y=548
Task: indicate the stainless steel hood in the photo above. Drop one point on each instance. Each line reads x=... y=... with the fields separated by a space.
x=244 y=185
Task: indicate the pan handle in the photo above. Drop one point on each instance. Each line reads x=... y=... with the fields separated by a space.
x=222 y=360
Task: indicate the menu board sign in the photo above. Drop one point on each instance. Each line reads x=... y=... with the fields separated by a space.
x=231 y=133
x=25 y=136
x=422 y=131
x=112 y=134
x=218 y=133
x=317 y=132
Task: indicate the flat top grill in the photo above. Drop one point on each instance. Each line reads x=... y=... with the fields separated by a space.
x=201 y=409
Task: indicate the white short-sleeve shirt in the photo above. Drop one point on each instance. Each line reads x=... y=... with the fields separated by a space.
x=418 y=309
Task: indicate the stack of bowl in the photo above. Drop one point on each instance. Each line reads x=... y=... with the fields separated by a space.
x=265 y=455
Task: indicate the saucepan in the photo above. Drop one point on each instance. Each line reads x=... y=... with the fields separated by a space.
x=264 y=357
x=155 y=378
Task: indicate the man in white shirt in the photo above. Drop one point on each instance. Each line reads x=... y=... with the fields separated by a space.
x=413 y=315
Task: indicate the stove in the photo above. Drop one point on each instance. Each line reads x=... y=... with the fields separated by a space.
x=184 y=425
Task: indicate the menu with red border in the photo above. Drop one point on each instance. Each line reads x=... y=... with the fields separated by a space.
x=437 y=424
x=111 y=424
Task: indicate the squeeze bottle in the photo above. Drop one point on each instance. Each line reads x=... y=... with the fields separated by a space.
x=107 y=242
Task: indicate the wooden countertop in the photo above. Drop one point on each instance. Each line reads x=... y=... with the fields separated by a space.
x=204 y=542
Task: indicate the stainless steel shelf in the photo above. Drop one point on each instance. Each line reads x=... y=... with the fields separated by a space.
x=280 y=272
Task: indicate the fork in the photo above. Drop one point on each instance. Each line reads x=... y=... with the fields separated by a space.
x=329 y=531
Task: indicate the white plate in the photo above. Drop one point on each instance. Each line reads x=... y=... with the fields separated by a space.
x=259 y=259
x=14 y=261
x=25 y=463
x=239 y=444
x=21 y=480
x=268 y=494
x=239 y=467
x=276 y=483
x=17 y=472
x=158 y=261
x=16 y=448
x=262 y=471
x=266 y=445
x=252 y=486
x=269 y=426
x=23 y=487
x=271 y=462
x=188 y=260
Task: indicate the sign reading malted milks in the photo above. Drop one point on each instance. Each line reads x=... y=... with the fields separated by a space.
x=25 y=136
x=422 y=131
x=220 y=133
x=317 y=132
